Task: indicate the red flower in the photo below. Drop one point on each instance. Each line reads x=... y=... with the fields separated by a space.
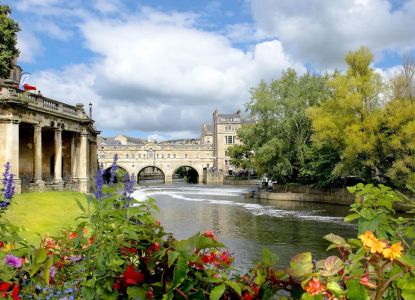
x=208 y=258
x=247 y=296
x=4 y=287
x=209 y=234
x=196 y=265
x=1 y=244
x=116 y=285
x=15 y=292
x=132 y=277
x=149 y=294
x=226 y=257
x=157 y=223
x=314 y=287
x=73 y=235
x=127 y=250
x=156 y=246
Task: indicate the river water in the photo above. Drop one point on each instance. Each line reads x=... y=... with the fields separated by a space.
x=246 y=226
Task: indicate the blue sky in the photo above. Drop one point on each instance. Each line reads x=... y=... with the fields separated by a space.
x=160 y=68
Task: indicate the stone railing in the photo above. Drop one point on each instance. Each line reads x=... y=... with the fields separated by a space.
x=39 y=101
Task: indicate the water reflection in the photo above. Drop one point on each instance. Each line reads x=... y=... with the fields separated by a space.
x=248 y=225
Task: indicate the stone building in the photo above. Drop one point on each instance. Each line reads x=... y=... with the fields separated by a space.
x=49 y=144
x=208 y=155
x=224 y=136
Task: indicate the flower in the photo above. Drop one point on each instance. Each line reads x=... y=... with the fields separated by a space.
x=372 y=243
x=314 y=287
x=210 y=234
x=52 y=272
x=247 y=296
x=132 y=277
x=393 y=251
x=1 y=244
x=13 y=261
x=8 y=185
x=99 y=182
x=4 y=287
x=15 y=292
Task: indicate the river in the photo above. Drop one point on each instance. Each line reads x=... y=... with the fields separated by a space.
x=246 y=226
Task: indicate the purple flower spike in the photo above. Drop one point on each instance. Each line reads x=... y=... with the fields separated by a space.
x=8 y=184
x=13 y=261
x=99 y=182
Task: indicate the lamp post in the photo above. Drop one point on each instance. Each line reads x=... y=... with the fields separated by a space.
x=90 y=110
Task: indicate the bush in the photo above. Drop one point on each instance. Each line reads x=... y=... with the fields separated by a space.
x=118 y=250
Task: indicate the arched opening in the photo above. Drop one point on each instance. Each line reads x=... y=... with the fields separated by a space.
x=186 y=174
x=119 y=175
x=150 y=174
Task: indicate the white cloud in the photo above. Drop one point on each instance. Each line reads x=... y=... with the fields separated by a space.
x=157 y=72
x=29 y=46
x=321 y=32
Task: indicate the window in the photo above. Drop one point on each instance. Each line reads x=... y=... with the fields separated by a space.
x=139 y=155
x=226 y=153
x=174 y=155
x=185 y=156
x=144 y=156
x=168 y=155
x=230 y=139
x=157 y=156
x=162 y=156
x=126 y=156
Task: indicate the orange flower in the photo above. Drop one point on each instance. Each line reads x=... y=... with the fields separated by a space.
x=393 y=251
x=372 y=243
x=314 y=287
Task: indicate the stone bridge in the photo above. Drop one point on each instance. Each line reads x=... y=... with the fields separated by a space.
x=167 y=157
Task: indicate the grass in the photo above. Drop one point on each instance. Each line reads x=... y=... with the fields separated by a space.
x=44 y=213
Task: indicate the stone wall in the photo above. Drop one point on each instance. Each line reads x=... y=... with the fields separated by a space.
x=307 y=193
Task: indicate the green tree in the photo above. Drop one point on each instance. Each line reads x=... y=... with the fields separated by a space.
x=8 y=41
x=277 y=141
x=347 y=122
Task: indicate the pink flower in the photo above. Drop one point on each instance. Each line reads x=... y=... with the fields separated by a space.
x=13 y=261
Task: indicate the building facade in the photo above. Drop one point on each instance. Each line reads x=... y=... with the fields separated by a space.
x=207 y=155
x=49 y=144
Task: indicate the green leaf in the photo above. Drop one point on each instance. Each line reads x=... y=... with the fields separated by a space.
x=172 y=257
x=234 y=286
x=301 y=265
x=88 y=293
x=335 y=288
x=355 y=291
x=40 y=256
x=269 y=259
x=337 y=240
x=351 y=217
x=408 y=295
x=180 y=271
x=217 y=292
x=134 y=292
x=332 y=265
x=46 y=272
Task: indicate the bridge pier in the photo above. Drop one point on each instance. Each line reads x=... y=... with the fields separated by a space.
x=168 y=178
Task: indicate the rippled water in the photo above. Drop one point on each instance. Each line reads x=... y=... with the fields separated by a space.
x=248 y=225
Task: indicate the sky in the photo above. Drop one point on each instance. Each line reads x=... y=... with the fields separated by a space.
x=158 y=69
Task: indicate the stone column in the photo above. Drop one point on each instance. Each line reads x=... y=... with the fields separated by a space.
x=58 y=158
x=37 y=157
x=9 y=149
x=83 y=163
x=93 y=158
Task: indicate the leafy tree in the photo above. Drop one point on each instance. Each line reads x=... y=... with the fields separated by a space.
x=8 y=41
x=277 y=141
x=347 y=122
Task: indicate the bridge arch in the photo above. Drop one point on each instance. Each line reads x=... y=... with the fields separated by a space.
x=151 y=173
x=188 y=173
x=119 y=174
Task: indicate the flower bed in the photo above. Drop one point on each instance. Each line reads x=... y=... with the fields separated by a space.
x=118 y=250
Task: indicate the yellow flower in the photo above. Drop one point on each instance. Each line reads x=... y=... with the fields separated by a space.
x=393 y=251
x=371 y=242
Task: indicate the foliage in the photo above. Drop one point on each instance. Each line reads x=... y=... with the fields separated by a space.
x=346 y=122
x=278 y=141
x=119 y=251
x=8 y=41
